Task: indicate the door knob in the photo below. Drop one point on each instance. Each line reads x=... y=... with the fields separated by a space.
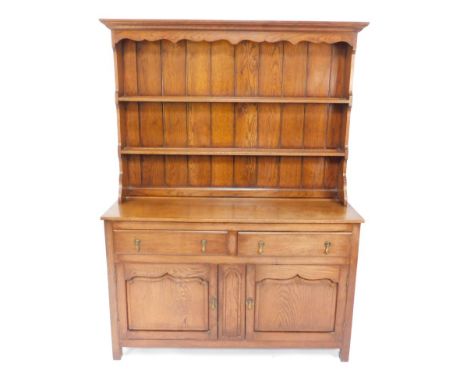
x=203 y=245
x=213 y=303
x=327 y=246
x=261 y=247
x=137 y=243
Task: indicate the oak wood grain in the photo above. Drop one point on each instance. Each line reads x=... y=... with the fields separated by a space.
x=222 y=115
x=234 y=99
x=236 y=151
x=257 y=210
x=235 y=31
x=150 y=115
x=170 y=242
x=167 y=301
x=174 y=115
x=199 y=115
x=231 y=302
x=293 y=244
x=132 y=133
x=232 y=227
x=295 y=305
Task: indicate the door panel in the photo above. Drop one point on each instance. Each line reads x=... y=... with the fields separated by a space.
x=231 y=302
x=167 y=301
x=295 y=302
x=295 y=305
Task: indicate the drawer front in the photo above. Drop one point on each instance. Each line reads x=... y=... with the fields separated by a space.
x=294 y=244
x=148 y=242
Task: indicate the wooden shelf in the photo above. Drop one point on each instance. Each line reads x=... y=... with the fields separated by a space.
x=229 y=99
x=232 y=151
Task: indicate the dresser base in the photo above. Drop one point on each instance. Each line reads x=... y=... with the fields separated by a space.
x=117 y=353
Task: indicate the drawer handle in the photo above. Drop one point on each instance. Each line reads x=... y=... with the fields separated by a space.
x=137 y=245
x=261 y=247
x=203 y=245
x=327 y=246
x=213 y=303
x=249 y=303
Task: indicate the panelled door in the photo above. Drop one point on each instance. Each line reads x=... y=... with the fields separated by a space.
x=295 y=302
x=167 y=301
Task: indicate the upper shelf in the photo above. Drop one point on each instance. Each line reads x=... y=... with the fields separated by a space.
x=233 y=99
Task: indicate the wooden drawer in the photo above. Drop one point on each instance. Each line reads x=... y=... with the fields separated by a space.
x=147 y=242
x=294 y=243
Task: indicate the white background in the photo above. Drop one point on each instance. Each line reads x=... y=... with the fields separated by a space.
x=407 y=175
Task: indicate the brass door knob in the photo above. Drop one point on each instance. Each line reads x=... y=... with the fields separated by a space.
x=261 y=247
x=137 y=243
x=213 y=303
x=327 y=246
x=249 y=302
x=203 y=245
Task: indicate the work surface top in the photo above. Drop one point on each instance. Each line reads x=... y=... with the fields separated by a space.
x=237 y=210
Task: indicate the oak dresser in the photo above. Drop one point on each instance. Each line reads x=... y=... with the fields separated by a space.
x=232 y=227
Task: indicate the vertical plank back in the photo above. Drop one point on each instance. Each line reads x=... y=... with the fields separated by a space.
x=174 y=115
x=269 y=115
x=246 y=84
x=222 y=114
x=246 y=69
x=199 y=114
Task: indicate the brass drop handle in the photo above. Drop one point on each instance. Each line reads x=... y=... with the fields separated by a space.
x=137 y=243
x=249 y=302
x=213 y=303
x=203 y=245
x=327 y=246
x=261 y=247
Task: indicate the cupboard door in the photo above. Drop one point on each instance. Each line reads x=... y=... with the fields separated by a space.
x=295 y=302
x=167 y=301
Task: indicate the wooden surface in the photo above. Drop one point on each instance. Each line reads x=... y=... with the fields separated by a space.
x=173 y=242
x=219 y=151
x=232 y=227
x=235 y=25
x=112 y=282
x=167 y=301
x=235 y=31
x=159 y=304
x=295 y=302
x=221 y=99
x=204 y=114
x=232 y=302
x=295 y=305
x=293 y=244
x=242 y=210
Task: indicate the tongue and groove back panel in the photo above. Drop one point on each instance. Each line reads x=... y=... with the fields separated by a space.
x=201 y=118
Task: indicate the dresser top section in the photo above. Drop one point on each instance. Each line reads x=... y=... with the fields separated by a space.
x=232 y=210
x=235 y=25
x=234 y=31
x=234 y=109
